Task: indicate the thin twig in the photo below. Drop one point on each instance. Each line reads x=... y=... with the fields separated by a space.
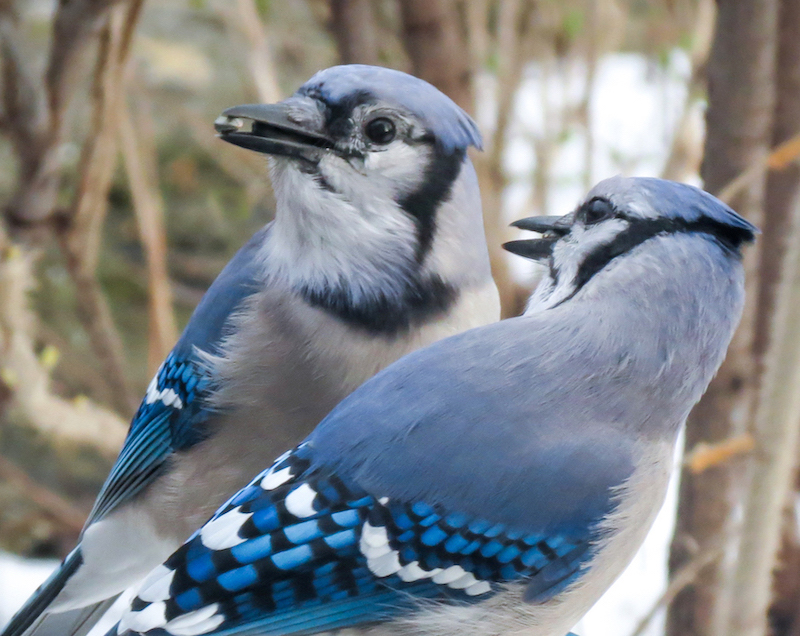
x=260 y=57
x=780 y=156
x=680 y=580
x=81 y=241
x=149 y=208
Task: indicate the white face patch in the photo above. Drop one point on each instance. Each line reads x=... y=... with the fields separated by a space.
x=569 y=254
x=356 y=233
x=400 y=166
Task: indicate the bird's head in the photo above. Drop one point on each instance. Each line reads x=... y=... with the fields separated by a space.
x=617 y=216
x=373 y=185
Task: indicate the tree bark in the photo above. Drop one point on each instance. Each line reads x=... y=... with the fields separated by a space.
x=776 y=434
x=782 y=197
x=741 y=99
x=436 y=45
x=353 y=25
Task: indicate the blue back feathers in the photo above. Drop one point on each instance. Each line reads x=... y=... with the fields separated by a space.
x=449 y=124
x=379 y=438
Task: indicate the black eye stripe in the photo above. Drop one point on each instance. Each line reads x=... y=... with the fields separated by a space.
x=729 y=238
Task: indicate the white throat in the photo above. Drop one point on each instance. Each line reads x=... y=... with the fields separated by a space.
x=569 y=254
x=323 y=236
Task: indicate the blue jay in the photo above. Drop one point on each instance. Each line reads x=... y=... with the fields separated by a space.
x=497 y=481
x=377 y=248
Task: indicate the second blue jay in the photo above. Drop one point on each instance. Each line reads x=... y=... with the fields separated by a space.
x=377 y=248
x=498 y=481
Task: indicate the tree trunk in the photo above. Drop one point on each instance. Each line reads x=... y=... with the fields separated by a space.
x=741 y=98
x=436 y=45
x=776 y=434
x=782 y=198
x=353 y=26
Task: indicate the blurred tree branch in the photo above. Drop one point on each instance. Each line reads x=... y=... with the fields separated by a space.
x=513 y=42
x=33 y=118
x=245 y=19
x=741 y=74
x=81 y=238
x=26 y=377
x=776 y=431
x=353 y=26
x=436 y=44
x=140 y=160
x=685 y=153
x=52 y=504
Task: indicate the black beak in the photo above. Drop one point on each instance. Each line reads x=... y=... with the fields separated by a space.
x=272 y=131
x=552 y=229
x=558 y=225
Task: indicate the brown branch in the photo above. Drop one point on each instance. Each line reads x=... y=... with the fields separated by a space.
x=512 y=39
x=686 y=150
x=679 y=581
x=53 y=504
x=34 y=113
x=26 y=377
x=81 y=240
x=353 y=26
x=741 y=72
x=149 y=209
x=436 y=45
x=26 y=122
x=244 y=18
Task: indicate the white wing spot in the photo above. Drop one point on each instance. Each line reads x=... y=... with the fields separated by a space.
x=199 y=621
x=449 y=575
x=222 y=533
x=156 y=586
x=373 y=536
x=463 y=582
x=412 y=572
x=144 y=620
x=383 y=561
x=385 y=565
x=300 y=502
x=167 y=396
x=272 y=480
x=481 y=587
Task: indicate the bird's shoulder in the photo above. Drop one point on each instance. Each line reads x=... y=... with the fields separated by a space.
x=174 y=409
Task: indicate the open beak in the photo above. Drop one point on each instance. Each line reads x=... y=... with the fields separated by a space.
x=552 y=228
x=272 y=131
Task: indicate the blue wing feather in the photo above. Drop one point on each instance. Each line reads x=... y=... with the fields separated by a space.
x=162 y=426
x=298 y=551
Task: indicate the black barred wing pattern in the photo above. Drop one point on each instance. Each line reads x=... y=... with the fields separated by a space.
x=299 y=551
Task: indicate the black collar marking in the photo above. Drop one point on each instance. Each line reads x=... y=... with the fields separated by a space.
x=728 y=237
x=423 y=203
x=422 y=300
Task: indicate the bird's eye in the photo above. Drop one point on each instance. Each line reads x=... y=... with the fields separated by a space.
x=597 y=210
x=380 y=130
